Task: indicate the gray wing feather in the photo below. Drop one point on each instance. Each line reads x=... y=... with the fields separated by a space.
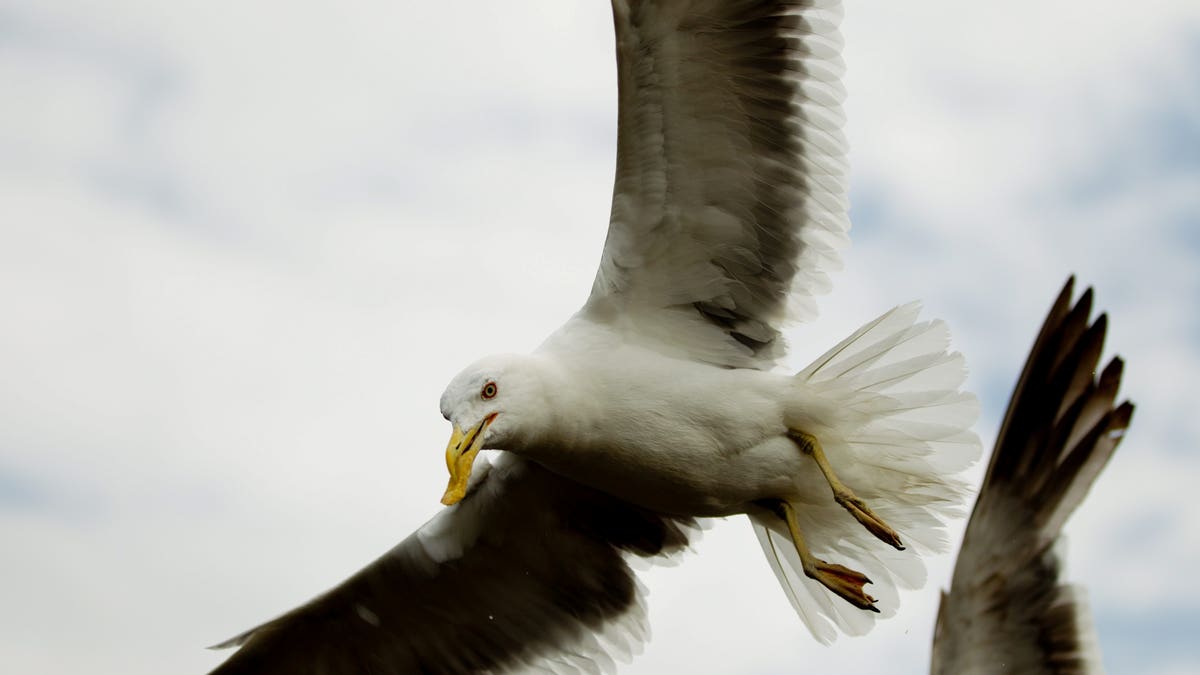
x=526 y=572
x=1007 y=610
x=729 y=204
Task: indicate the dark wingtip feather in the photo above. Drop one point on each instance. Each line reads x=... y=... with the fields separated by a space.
x=1060 y=430
x=1122 y=417
x=1068 y=290
x=1110 y=377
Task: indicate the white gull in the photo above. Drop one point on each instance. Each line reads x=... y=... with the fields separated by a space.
x=661 y=400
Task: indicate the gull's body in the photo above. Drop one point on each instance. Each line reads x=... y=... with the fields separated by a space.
x=722 y=448
x=674 y=435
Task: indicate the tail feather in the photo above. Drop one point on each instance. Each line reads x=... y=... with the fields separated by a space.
x=777 y=549
x=886 y=404
x=865 y=345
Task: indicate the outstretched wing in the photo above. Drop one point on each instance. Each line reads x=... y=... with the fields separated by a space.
x=1006 y=604
x=527 y=572
x=730 y=197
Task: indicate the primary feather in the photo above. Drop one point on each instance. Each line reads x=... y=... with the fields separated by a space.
x=1007 y=610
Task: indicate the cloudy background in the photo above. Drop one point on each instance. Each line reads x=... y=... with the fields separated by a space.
x=237 y=240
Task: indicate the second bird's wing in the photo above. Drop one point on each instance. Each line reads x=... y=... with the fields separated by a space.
x=1007 y=610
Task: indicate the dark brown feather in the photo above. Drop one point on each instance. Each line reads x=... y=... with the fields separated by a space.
x=546 y=571
x=1007 y=610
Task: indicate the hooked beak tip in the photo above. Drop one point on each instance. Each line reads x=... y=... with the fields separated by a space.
x=460 y=455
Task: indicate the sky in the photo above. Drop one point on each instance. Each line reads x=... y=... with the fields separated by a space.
x=238 y=242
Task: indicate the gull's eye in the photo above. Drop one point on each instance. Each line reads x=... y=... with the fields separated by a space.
x=489 y=390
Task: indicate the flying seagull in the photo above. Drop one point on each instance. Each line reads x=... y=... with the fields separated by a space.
x=1007 y=610
x=661 y=401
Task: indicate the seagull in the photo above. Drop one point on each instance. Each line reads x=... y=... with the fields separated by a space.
x=663 y=400
x=1006 y=610
x=499 y=585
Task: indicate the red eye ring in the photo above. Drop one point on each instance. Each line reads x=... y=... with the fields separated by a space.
x=489 y=391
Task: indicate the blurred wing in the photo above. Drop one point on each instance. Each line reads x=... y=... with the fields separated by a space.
x=1006 y=607
x=527 y=572
x=730 y=197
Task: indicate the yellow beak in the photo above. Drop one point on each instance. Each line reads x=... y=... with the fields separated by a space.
x=460 y=456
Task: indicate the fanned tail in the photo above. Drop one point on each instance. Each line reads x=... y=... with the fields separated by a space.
x=887 y=407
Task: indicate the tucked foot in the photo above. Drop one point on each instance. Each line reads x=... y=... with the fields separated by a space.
x=863 y=514
x=843 y=581
x=809 y=445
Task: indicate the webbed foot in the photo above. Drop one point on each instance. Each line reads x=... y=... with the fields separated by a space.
x=843 y=581
x=809 y=445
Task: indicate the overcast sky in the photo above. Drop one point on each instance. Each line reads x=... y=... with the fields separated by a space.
x=238 y=241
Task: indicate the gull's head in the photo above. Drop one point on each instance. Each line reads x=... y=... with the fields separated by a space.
x=493 y=403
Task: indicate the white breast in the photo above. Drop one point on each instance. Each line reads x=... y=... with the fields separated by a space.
x=665 y=433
